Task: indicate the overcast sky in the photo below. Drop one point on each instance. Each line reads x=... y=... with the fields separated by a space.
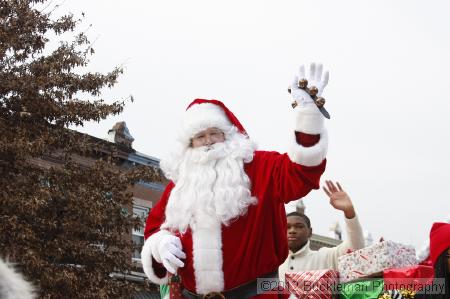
x=388 y=93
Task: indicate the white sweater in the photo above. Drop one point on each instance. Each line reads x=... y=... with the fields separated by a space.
x=325 y=258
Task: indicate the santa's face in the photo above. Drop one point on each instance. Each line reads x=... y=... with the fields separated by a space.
x=207 y=137
x=210 y=181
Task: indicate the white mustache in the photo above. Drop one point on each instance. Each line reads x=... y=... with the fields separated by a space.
x=209 y=147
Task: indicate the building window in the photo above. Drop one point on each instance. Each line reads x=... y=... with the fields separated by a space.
x=138 y=234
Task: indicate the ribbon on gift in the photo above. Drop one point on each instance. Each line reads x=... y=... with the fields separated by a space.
x=364 y=257
x=360 y=274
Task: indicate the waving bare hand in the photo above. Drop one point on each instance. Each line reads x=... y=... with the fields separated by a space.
x=339 y=199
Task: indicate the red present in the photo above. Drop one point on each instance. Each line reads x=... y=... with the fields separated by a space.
x=312 y=284
x=413 y=278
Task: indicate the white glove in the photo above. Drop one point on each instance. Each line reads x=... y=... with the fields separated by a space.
x=170 y=253
x=307 y=116
x=314 y=78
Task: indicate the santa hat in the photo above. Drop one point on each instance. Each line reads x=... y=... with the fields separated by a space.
x=439 y=240
x=203 y=114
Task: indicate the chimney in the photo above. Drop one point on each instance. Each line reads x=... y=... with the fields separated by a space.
x=119 y=134
x=300 y=206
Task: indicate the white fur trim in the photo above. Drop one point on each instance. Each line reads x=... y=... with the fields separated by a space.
x=201 y=117
x=207 y=252
x=149 y=250
x=308 y=119
x=309 y=156
x=424 y=252
x=13 y=285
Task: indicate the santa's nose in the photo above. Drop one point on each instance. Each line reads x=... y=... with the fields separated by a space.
x=209 y=140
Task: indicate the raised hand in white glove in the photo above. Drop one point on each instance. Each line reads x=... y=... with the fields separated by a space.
x=170 y=253
x=309 y=115
x=316 y=77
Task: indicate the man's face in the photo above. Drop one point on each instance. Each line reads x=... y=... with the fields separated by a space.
x=298 y=232
x=208 y=137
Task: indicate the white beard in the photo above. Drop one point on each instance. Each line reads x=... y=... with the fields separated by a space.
x=209 y=181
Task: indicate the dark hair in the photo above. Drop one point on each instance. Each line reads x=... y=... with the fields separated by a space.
x=440 y=272
x=307 y=221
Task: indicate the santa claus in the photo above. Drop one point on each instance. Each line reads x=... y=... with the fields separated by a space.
x=220 y=224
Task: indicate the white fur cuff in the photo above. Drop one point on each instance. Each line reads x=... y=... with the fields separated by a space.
x=309 y=156
x=13 y=285
x=149 y=251
x=308 y=119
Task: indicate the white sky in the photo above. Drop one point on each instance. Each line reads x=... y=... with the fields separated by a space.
x=388 y=93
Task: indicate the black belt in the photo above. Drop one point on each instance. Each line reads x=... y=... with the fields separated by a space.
x=243 y=291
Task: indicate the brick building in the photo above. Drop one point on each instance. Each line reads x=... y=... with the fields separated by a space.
x=145 y=194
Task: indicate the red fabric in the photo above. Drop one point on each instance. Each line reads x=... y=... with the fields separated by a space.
x=426 y=262
x=306 y=140
x=439 y=240
x=233 y=119
x=157 y=213
x=416 y=276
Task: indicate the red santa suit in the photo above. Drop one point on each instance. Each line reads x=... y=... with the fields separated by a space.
x=221 y=257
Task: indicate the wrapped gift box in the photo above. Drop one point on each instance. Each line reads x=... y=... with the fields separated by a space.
x=414 y=278
x=365 y=289
x=312 y=284
x=373 y=260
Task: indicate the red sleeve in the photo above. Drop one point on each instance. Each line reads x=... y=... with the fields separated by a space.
x=154 y=220
x=283 y=179
x=156 y=216
x=274 y=175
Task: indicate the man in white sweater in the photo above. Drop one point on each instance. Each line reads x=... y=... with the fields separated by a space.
x=301 y=257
